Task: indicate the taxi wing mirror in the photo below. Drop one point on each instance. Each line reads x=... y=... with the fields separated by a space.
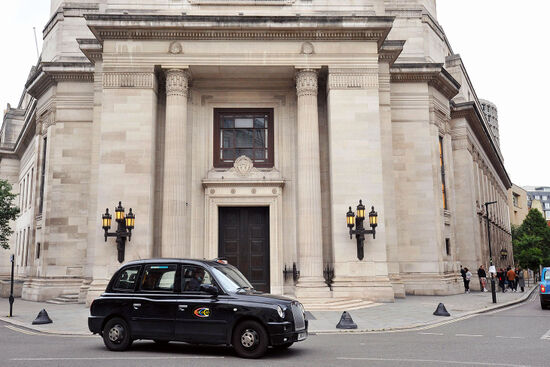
x=210 y=289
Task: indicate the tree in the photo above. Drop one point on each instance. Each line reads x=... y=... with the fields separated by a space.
x=8 y=212
x=531 y=241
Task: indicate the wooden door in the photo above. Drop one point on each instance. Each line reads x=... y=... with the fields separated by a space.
x=244 y=242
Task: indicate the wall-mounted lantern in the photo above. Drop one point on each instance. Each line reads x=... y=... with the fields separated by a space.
x=125 y=224
x=360 y=230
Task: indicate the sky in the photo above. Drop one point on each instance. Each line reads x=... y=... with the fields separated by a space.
x=503 y=43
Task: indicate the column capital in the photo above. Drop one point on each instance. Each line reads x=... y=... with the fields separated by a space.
x=306 y=82
x=177 y=82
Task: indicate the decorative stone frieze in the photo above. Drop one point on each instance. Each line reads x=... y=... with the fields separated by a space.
x=306 y=82
x=352 y=78
x=177 y=82
x=244 y=166
x=129 y=80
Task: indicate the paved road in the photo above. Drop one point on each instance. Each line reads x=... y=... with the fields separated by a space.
x=518 y=336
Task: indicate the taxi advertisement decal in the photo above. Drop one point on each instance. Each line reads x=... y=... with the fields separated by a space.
x=202 y=312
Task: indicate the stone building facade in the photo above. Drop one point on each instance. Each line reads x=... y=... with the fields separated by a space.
x=246 y=129
x=519 y=208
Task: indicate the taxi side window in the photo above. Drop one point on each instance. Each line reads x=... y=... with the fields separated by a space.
x=193 y=277
x=127 y=279
x=160 y=278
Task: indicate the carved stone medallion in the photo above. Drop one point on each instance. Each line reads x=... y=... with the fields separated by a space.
x=243 y=165
x=175 y=48
x=307 y=48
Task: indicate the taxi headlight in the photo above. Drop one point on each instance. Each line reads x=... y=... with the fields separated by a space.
x=302 y=309
x=281 y=312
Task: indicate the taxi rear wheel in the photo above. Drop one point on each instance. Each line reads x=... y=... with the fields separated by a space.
x=116 y=335
x=250 y=339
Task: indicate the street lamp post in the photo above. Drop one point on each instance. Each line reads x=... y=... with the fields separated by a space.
x=125 y=224
x=493 y=290
x=360 y=230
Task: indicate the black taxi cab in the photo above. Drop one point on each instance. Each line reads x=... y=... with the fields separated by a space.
x=194 y=301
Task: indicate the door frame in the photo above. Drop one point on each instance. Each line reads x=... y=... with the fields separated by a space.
x=266 y=196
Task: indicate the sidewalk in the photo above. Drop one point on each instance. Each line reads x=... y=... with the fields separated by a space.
x=411 y=312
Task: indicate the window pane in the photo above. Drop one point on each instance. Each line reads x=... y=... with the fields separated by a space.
x=227 y=122
x=246 y=152
x=228 y=138
x=243 y=122
x=259 y=139
x=193 y=277
x=127 y=279
x=259 y=154
x=260 y=123
x=228 y=155
x=159 y=278
x=244 y=139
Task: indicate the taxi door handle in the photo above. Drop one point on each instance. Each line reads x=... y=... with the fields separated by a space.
x=182 y=307
x=137 y=305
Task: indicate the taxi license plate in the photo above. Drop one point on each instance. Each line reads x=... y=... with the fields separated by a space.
x=302 y=336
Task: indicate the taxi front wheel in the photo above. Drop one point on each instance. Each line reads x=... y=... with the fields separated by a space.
x=116 y=335
x=250 y=339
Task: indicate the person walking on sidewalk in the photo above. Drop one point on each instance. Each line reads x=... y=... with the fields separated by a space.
x=467 y=277
x=482 y=275
x=501 y=275
x=511 y=275
x=521 y=279
x=463 y=275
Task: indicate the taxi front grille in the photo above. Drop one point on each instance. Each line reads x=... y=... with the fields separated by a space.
x=299 y=322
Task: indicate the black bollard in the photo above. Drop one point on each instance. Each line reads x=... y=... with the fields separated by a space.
x=11 y=299
x=346 y=322
x=42 y=318
x=441 y=310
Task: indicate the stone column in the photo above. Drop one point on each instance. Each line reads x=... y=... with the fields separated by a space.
x=310 y=242
x=174 y=197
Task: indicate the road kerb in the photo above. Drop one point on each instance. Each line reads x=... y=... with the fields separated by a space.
x=432 y=324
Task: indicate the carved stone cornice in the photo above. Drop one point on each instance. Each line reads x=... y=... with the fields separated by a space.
x=242 y=2
x=306 y=82
x=91 y=48
x=177 y=82
x=229 y=27
x=390 y=51
x=470 y=112
x=352 y=78
x=50 y=73
x=139 y=80
x=432 y=73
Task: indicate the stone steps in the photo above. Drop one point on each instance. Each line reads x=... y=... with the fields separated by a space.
x=64 y=299
x=335 y=304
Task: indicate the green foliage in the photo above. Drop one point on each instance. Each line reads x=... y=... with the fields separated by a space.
x=8 y=212
x=531 y=241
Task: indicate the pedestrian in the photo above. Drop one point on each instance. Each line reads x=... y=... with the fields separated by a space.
x=501 y=275
x=521 y=280
x=463 y=275
x=467 y=277
x=482 y=275
x=511 y=276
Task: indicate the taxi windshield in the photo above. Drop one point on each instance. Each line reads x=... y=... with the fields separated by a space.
x=230 y=278
x=547 y=275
